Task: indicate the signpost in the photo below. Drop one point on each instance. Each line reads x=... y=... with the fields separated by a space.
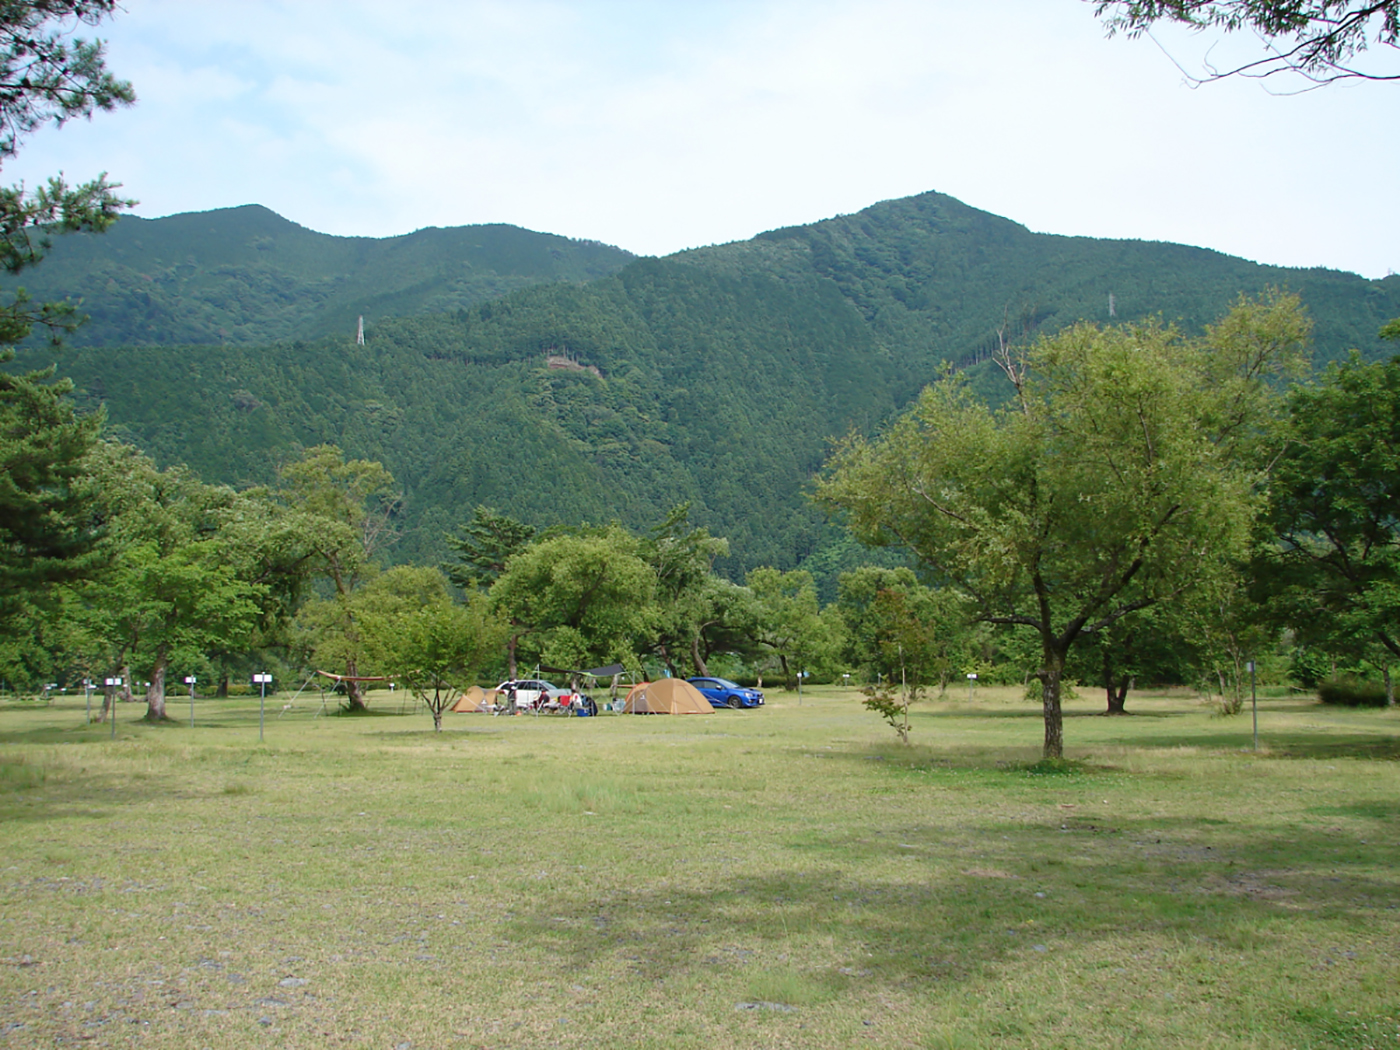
x=190 y=681
x=113 y=684
x=971 y=680
x=261 y=680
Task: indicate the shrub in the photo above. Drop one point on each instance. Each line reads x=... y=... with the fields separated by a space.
x=1351 y=692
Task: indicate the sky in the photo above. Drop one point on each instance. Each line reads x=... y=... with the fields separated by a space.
x=660 y=125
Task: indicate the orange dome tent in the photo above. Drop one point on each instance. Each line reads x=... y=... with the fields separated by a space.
x=669 y=696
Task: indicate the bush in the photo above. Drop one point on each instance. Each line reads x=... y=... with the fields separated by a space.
x=1351 y=692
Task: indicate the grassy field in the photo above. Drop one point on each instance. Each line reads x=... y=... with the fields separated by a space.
x=786 y=877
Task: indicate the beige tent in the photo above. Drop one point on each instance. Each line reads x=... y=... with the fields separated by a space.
x=476 y=700
x=669 y=696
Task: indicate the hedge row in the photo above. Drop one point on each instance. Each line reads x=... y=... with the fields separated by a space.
x=1351 y=692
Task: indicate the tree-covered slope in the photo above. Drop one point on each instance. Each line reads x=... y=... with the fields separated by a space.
x=247 y=275
x=722 y=373
x=935 y=279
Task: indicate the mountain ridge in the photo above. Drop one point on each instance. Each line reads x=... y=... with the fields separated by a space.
x=248 y=275
x=723 y=373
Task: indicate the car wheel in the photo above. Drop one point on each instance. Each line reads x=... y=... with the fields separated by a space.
x=735 y=703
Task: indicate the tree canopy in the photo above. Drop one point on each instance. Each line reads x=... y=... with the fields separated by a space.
x=1329 y=566
x=1115 y=478
x=1322 y=40
x=49 y=523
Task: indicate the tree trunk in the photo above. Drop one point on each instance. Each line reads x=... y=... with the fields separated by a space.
x=124 y=690
x=701 y=668
x=1051 y=672
x=1117 y=689
x=108 y=704
x=222 y=692
x=510 y=656
x=155 y=692
x=353 y=696
x=1389 y=688
x=1118 y=697
x=442 y=693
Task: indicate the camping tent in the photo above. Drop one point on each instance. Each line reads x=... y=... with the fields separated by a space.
x=669 y=696
x=476 y=700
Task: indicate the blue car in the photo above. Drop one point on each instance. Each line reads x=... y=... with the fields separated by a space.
x=721 y=692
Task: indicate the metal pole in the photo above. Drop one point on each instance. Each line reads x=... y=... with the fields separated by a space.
x=799 y=688
x=87 y=694
x=1254 y=703
x=262 y=704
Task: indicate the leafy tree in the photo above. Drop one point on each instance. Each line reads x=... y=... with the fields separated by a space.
x=1117 y=477
x=416 y=633
x=789 y=622
x=579 y=599
x=687 y=602
x=896 y=626
x=47 y=523
x=904 y=635
x=1318 y=39
x=1152 y=646
x=45 y=77
x=172 y=589
x=352 y=503
x=484 y=545
x=49 y=76
x=730 y=623
x=50 y=520
x=1330 y=566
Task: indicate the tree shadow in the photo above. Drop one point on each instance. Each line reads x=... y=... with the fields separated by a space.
x=1178 y=880
x=1291 y=744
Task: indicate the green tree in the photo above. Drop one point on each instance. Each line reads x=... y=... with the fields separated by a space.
x=789 y=621
x=1120 y=475
x=172 y=589
x=1329 y=566
x=484 y=545
x=729 y=624
x=579 y=599
x=417 y=634
x=1319 y=39
x=352 y=504
x=687 y=602
x=895 y=624
x=48 y=526
x=50 y=518
x=1151 y=646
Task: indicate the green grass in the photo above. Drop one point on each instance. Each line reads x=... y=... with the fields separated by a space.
x=783 y=877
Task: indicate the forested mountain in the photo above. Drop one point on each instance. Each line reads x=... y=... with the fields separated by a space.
x=247 y=275
x=717 y=375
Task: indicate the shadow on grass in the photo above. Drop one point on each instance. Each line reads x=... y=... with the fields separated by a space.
x=1031 y=712
x=1143 y=884
x=1319 y=745
x=1274 y=744
x=41 y=793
